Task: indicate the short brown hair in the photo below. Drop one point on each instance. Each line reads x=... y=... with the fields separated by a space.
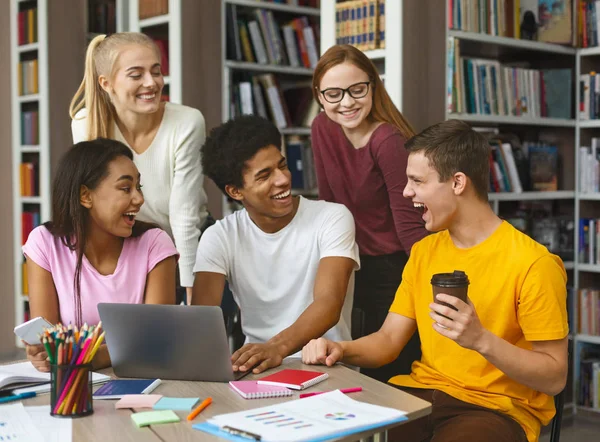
x=453 y=146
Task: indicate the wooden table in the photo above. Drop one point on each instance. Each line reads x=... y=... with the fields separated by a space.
x=107 y=423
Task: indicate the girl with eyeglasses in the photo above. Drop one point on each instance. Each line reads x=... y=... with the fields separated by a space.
x=360 y=161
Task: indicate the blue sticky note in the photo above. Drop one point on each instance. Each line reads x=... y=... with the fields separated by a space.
x=176 y=403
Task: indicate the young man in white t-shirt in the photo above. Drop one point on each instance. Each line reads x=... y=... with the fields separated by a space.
x=289 y=261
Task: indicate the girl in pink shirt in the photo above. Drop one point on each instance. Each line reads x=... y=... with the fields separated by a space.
x=93 y=250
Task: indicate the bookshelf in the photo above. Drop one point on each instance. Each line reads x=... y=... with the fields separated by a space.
x=569 y=134
x=162 y=20
x=265 y=71
x=40 y=124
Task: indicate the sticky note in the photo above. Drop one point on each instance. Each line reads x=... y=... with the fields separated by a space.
x=138 y=401
x=146 y=418
x=176 y=403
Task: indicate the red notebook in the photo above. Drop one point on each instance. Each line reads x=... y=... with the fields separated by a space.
x=295 y=379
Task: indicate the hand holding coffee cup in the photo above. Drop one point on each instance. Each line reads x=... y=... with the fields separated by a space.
x=453 y=284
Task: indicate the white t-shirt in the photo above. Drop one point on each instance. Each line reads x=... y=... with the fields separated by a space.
x=272 y=275
x=172 y=179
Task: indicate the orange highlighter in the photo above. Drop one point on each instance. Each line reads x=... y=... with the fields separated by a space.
x=205 y=403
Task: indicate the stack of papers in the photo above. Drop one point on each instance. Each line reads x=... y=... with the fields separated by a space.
x=33 y=424
x=328 y=415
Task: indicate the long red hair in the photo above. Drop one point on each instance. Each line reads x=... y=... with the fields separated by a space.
x=383 y=108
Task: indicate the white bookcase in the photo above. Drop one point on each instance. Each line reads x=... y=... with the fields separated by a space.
x=166 y=26
x=55 y=50
x=41 y=150
x=230 y=67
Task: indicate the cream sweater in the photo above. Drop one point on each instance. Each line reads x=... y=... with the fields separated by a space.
x=172 y=179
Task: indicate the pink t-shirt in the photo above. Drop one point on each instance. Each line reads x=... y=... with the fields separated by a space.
x=127 y=284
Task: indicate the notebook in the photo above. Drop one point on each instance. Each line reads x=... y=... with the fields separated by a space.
x=15 y=377
x=118 y=388
x=254 y=390
x=295 y=379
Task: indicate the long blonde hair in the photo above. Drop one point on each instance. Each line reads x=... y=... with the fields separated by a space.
x=100 y=58
x=383 y=108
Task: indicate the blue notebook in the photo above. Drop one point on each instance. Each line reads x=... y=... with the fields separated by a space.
x=118 y=388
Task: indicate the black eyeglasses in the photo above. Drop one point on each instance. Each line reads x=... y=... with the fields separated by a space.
x=336 y=94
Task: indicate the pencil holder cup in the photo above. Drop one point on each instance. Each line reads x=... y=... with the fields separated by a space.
x=71 y=390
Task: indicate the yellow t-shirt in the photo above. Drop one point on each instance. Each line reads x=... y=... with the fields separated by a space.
x=518 y=289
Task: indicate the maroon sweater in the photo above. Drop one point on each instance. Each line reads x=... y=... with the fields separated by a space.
x=369 y=181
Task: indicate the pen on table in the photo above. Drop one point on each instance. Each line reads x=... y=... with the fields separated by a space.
x=17 y=397
x=343 y=390
x=205 y=403
x=242 y=433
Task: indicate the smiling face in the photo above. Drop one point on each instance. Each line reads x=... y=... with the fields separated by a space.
x=137 y=82
x=115 y=202
x=267 y=185
x=436 y=200
x=350 y=113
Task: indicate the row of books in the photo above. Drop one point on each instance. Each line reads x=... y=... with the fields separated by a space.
x=102 y=17
x=28 y=174
x=589 y=96
x=589 y=242
x=263 y=95
x=542 y=20
x=588 y=23
x=360 y=23
x=486 y=87
x=152 y=8
x=27 y=77
x=30 y=128
x=530 y=166
x=589 y=167
x=29 y=221
x=300 y=161
x=589 y=377
x=307 y=3
x=27 y=26
x=256 y=36
x=588 y=315
x=163 y=47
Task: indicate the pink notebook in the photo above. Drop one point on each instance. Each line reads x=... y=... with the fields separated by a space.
x=253 y=390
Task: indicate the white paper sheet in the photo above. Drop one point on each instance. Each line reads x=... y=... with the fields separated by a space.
x=54 y=429
x=305 y=419
x=17 y=425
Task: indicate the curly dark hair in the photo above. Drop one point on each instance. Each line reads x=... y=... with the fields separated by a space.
x=229 y=146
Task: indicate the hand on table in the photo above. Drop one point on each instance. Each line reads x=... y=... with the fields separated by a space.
x=259 y=356
x=322 y=351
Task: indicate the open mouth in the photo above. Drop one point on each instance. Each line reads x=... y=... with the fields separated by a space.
x=147 y=96
x=282 y=195
x=129 y=217
x=422 y=208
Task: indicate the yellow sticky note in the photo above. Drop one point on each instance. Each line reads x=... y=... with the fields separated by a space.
x=146 y=418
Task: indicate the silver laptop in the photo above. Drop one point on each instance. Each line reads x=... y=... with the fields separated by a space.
x=168 y=342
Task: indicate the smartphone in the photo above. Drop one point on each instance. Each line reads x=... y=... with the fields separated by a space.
x=30 y=330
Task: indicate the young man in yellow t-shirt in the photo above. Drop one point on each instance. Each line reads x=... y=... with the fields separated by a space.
x=491 y=367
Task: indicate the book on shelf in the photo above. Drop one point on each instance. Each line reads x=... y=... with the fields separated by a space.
x=27 y=26
x=29 y=221
x=27 y=77
x=285 y=103
x=30 y=133
x=588 y=23
x=543 y=165
x=589 y=167
x=29 y=172
x=163 y=48
x=152 y=8
x=102 y=17
x=360 y=23
x=551 y=21
x=589 y=377
x=487 y=87
x=298 y=151
x=258 y=35
x=588 y=314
